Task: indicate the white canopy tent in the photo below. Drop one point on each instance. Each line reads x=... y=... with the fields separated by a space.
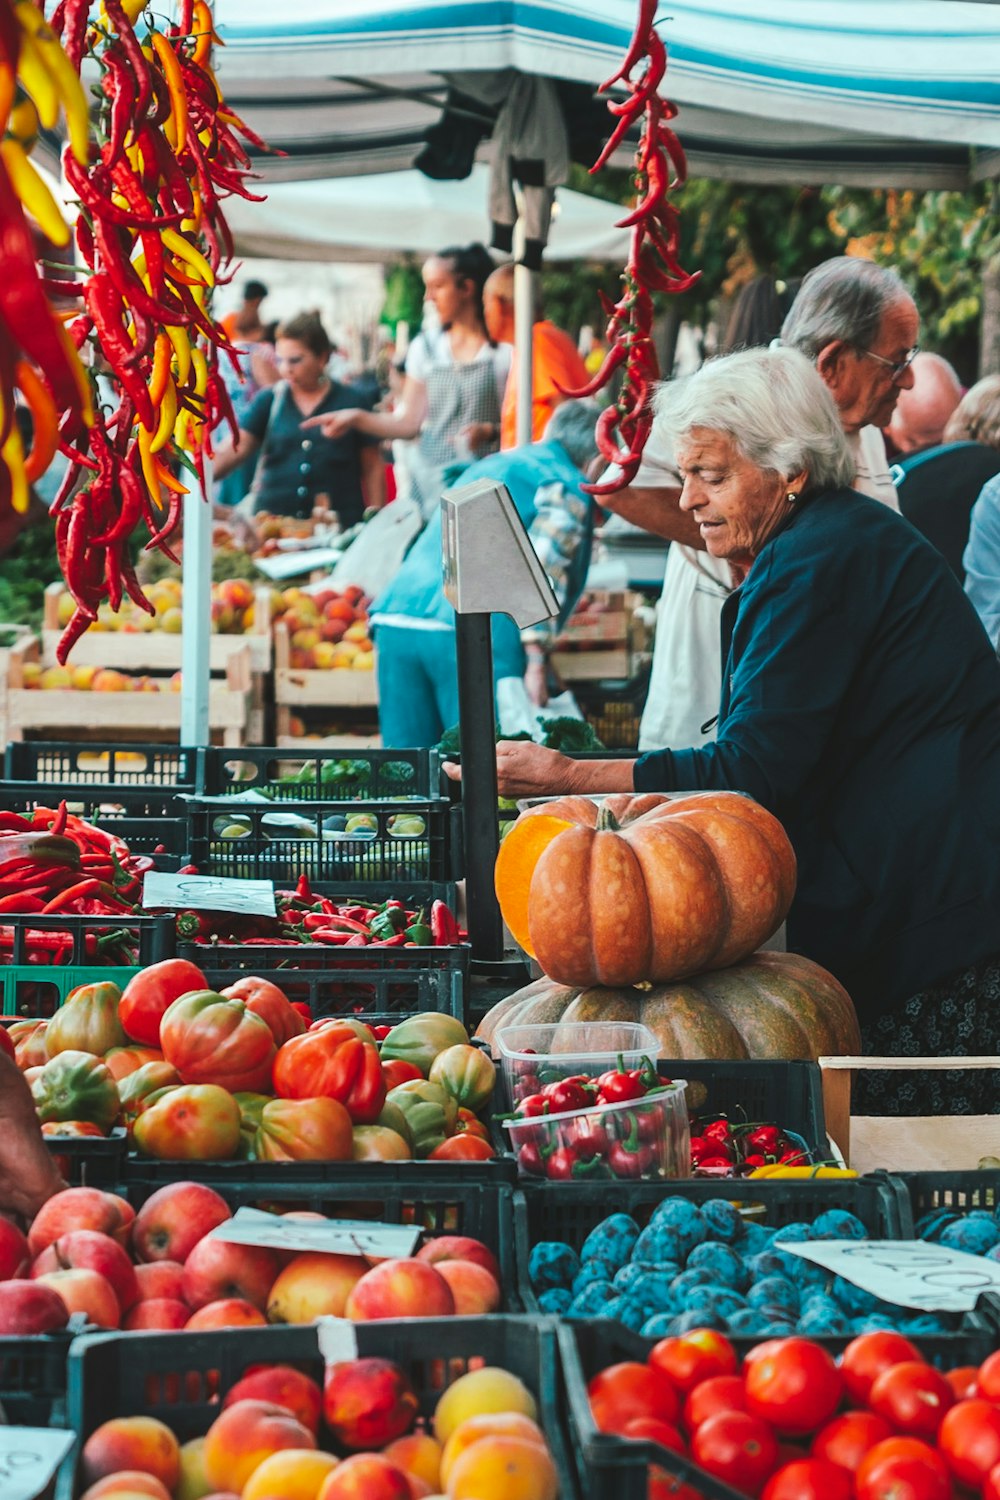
x=378 y=218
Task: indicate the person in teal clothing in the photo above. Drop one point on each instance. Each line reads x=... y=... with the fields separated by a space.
x=415 y=625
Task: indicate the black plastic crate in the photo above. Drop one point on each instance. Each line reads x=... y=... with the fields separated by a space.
x=951 y=1192
x=789 y=1094
x=614 y=709
x=311 y=775
x=89 y=1160
x=395 y=986
x=151 y=823
x=106 y=764
x=568 y=1211
x=84 y=942
x=442 y=1197
x=33 y=1378
x=248 y=840
x=180 y=1379
x=616 y=1468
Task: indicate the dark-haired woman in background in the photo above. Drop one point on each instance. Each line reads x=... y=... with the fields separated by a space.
x=455 y=378
x=296 y=465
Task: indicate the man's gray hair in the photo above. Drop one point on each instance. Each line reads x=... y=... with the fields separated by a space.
x=573 y=424
x=772 y=404
x=844 y=298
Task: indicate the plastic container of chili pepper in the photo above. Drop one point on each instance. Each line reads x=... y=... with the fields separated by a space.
x=532 y=1056
x=644 y=1139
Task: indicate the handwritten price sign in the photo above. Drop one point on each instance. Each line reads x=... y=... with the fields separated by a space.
x=252 y=898
x=912 y=1273
x=29 y=1456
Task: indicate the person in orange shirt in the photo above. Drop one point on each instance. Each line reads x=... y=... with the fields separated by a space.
x=557 y=365
x=244 y=325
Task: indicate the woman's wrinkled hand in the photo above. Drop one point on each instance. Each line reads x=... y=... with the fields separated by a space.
x=334 y=424
x=525 y=769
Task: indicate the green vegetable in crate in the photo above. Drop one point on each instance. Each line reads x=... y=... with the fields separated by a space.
x=430 y=1113
x=419 y=1039
x=76 y=1086
x=87 y=1021
x=466 y=1073
x=392 y=1118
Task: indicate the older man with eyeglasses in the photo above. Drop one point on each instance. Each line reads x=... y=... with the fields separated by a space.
x=858 y=324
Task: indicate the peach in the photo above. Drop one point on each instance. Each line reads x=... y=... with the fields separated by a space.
x=368 y=1402
x=475 y=1291
x=128 y=1482
x=282 y=1385
x=503 y=1468
x=132 y=1443
x=80 y=1208
x=419 y=1454
x=314 y=1285
x=215 y=1269
x=172 y=1221
x=228 y=1312
x=488 y=1389
x=158 y=1312
x=293 y=1474
x=30 y=1307
x=86 y=1292
x=89 y=1249
x=490 y=1424
x=366 y=1476
x=243 y=1435
x=14 y=1253
x=160 y=1278
x=460 y=1247
x=194 y=1483
x=400 y=1289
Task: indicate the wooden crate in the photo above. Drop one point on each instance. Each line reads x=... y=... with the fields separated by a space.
x=609 y=645
x=332 y=687
x=154 y=650
x=140 y=716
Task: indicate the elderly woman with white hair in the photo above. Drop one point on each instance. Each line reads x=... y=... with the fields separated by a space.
x=860 y=704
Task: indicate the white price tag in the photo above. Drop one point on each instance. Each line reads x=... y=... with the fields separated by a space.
x=338 y=1340
x=29 y=1456
x=912 y=1273
x=251 y=898
x=251 y=1226
x=288 y=564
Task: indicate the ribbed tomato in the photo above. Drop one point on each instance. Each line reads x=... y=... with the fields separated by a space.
x=333 y=1062
x=210 y=1039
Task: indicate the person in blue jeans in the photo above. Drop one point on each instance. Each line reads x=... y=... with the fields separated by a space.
x=414 y=623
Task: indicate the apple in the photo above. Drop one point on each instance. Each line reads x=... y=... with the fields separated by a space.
x=460 y=1247
x=160 y=1278
x=228 y=1312
x=282 y=1385
x=30 y=1307
x=158 y=1312
x=172 y=1221
x=314 y=1285
x=215 y=1270
x=368 y=1402
x=88 y=1249
x=15 y=1256
x=400 y=1289
x=475 y=1291
x=88 y=1292
x=80 y=1208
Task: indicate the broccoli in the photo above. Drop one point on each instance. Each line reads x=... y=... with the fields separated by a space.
x=395 y=773
x=569 y=735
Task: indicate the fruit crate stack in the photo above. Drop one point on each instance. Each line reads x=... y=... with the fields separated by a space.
x=608 y=636
x=324 y=659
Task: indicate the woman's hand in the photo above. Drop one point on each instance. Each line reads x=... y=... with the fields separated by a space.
x=525 y=769
x=334 y=424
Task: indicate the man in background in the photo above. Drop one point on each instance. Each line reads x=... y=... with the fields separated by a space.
x=922 y=412
x=244 y=325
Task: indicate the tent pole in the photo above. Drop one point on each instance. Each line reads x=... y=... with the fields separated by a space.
x=197 y=601
x=525 y=292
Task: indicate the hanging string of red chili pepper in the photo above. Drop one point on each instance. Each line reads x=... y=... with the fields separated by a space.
x=653 y=266
x=37 y=358
x=153 y=241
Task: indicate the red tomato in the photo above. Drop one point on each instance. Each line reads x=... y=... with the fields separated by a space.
x=736 y=1448
x=989 y=1377
x=964 y=1382
x=721 y=1393
x=463 y=1148
x=847 y=1439
x=796 y=1387
x=653 y=1430
x=149 y=994
x=969 y=1438
x=623 y=1392
x=398 y=1070
x=913 y=1397
x=866 y=1357
x=809 y=1479
x=903 y=1468
x=689 y=1358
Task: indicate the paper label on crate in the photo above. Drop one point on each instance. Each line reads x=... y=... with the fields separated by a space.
x=338 y=1339
x=29 y=1456
x=252 y=1226
x=227 y=800
x=250 y=898
x=302 y=560
x=912 y=1273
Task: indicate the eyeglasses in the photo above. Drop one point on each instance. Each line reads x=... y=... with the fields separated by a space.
x=898 y=367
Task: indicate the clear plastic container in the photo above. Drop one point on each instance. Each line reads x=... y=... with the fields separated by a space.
x=642 y=1139
x=534 y=1055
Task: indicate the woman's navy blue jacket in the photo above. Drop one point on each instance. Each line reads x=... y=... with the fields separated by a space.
x=861 y=705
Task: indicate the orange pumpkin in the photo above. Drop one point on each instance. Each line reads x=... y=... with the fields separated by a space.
x=644 y=887
x=773 y=1005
